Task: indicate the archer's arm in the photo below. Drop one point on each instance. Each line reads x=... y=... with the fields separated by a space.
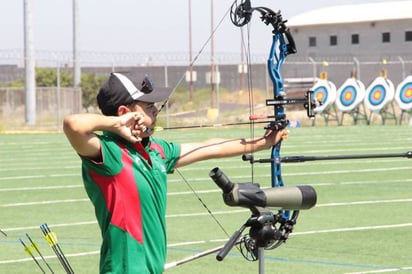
x=80 y=130
x=219 y=148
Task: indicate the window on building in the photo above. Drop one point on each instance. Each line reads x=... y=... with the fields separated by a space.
x=355 y=39
x=408 y=36
x=312 y=41
x=333 y=40
x=386 y=37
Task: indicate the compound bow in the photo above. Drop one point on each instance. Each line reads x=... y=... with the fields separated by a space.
x=268 y=230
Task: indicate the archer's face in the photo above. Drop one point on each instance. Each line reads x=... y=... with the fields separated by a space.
x=149 y=111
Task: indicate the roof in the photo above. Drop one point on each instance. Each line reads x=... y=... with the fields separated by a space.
x=393 y=10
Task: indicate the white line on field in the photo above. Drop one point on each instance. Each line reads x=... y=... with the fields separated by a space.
x=383 y=270
x=13 y=168
x=366 y=202
x=54 y=225
x=45 y=202
x=207 y=190
x=27 y=177
x=337 y=230
x=205 y=213
x=218 y=240
x=39 y=188
x=96 y=252
x=359 y=228
x=341 y=171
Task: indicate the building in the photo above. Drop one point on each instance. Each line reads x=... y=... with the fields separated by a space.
x=373 y=31
x=362 y=38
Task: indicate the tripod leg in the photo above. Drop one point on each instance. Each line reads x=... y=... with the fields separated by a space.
x=261 y=257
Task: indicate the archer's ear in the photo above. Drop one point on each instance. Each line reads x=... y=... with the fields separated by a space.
x=121 y=110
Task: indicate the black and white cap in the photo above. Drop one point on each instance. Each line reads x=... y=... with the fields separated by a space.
x=122 y=88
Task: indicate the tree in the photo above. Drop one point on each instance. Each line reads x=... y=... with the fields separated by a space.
x=47 y=77
x=90 y=84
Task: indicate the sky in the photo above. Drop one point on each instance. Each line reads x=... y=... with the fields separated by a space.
x=141 y=26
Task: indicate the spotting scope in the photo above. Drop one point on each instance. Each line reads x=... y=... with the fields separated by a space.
x=251 y=195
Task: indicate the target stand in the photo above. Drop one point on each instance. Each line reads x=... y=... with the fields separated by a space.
x=330 y=114
x=403 y=97
x=324 y=91
x=407 y=114
x=388 y=113
x=349 y=100
x=357 y=114
x=379 y=99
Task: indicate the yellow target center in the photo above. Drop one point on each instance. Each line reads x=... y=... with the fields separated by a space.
x=348 y=96
x=377 y=95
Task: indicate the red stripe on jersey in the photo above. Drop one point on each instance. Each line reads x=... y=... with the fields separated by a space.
x=159 y=149
x=122 y=198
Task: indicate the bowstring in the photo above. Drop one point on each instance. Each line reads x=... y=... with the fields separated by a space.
x=247 y=49
x=192 y=62
x=203 y=203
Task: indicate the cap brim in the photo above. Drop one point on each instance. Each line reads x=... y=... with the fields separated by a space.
x=156 y=96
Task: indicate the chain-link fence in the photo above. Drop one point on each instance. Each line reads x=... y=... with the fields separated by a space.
x=52 y=104
x=228 y=100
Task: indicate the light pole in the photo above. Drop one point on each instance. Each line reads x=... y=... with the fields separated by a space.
x=190 y=53
x=76 y=64
x=212 y=61
x=29 y=66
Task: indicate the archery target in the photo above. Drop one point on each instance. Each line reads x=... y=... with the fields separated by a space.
x=403 y=95
x=324 y=91
x=379 y=93
x=350 y=94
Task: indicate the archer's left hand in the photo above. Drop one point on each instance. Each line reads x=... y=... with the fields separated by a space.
x=275 y=136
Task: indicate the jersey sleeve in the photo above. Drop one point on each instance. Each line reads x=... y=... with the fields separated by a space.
x=169 y=151
x=111 y=161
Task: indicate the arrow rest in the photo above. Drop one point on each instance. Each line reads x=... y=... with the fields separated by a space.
x=277 y=125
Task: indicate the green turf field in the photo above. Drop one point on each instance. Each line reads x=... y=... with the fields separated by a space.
x=362 y=222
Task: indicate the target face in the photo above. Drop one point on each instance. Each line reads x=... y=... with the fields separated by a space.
x=350 y=94
x=324 y=91
x=379 y=94
x=320 y=94
x=404 y=94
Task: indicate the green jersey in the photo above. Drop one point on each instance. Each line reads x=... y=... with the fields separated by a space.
x=128 y=189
